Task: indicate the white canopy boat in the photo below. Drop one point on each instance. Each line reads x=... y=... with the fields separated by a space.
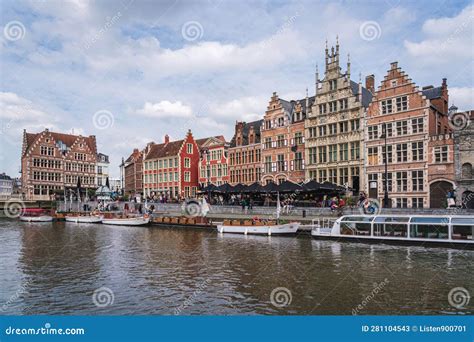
x=259 y=227
x=40 y=218
x=440 y=230
x=84 y=219
x=127 y=221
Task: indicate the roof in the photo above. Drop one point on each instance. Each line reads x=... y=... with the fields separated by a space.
x=133 y=157
x=432 y=93
x=245 y=132
x=164 y=150
x=201 y=142
x=5 y=177
x=67 y=139
x=366 y=95
x=289 y=106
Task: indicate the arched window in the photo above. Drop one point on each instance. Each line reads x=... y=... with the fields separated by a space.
x=466 y=171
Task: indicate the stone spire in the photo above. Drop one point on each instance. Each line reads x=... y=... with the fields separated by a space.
x=348 y=66
x=316 y=79
x=307 y=99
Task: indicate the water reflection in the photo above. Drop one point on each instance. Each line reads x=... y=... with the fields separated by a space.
x=55 y=269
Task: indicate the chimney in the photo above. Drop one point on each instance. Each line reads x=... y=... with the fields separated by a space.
x=135 y=150
x=167 y=139
x=370 y=83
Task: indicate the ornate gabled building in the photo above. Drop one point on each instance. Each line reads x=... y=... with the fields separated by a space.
x=419 y=150
x=464 y=155
x=133 y=173
x=283 y=141
x=171 y=169
x=213 y=165
x=333 y=127
x=245 y=150
x=52 y=163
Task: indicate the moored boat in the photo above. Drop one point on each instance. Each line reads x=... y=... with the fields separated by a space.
x=84 y=218
x=127 y=220
x=257 y=227
x=35 y=215
x=429 y=230
x=183 y=221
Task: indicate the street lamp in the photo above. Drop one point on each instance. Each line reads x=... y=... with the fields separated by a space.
x=386 y=200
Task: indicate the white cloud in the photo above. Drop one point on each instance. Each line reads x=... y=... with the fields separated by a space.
x=166 y=110
x=462 y=97
x=447 y=38
x=14 y=107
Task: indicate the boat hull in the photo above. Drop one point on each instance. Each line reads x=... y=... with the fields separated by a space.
x=84 y=219
x=43 y=218
x=126 y=221
x=462 y=244
x=288 y=228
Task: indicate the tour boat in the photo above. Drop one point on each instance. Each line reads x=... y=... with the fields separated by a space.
x=127 y=221
x=35 y=215
x=448 y=231
x=84 y=219
x=257 y=227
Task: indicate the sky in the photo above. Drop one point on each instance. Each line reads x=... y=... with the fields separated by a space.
x=130 y=71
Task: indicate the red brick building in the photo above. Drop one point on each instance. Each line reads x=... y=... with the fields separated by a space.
x=282 y=137
x=419 y=142
x=171 y=168
x=53 y=162
x=245 y=165
x=213 y=163
x=133 y=173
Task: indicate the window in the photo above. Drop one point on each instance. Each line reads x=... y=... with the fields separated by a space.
x=402 y=128
x=402 y=154
x=187 y=176
x=417 y=202
x=268 y=142
x=402 y=103
x=312 y=155
x=344 y=151
x=332 y=106
x=322 y=108
x=322 y=154
x=355 y=125
x=281 y=121
x=281 y=163
x=417 y=151
x=187 y=163
x=344 y=176
x=343 y=127
x=280 y=140
x=389 y=129
x=386 y=106
x=355 y=150
x=343 y=104
x=388 y=154
x=402 y=181
x=402 y=202
x=417 y=125
x=373 y=132
x=322 y=130
x=332 y=129
x=322 y=176
x=333 y=176
x=332 y=85
x=189 y=148
x=268 y=164
x=417 y=180
x=299 y=161
x=373 y=155
x=299 y=138
x=389 y=181
x=441 y=154
x=332 y=153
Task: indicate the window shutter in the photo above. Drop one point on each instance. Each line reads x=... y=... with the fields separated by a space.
x=292 y=165
x=292 y=141
x=302 y=163
x=286 y=142
x=302 y=139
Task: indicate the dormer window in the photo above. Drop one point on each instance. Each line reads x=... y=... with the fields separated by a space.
x=281 y=121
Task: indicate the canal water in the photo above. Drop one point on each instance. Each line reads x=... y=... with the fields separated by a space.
x=69 y=269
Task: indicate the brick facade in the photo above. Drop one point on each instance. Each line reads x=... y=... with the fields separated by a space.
x=53 y=162
x=213 y=163
x=419 y=142
x=245 y=153
x=133 y=173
